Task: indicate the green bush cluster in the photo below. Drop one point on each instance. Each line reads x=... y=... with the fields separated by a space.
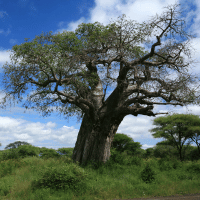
x=148 y=174
x=60 y=173
x=49 y=153
x=62 y=177
x=20 y=152
x=7 y=167
x=69 y=176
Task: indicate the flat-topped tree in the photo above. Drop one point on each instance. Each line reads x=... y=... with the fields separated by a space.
x=177 y=129
x=65 y=73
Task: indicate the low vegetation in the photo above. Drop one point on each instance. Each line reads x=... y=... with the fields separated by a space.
x=26 y=176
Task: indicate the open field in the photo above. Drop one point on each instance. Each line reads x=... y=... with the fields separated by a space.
x=123 y=177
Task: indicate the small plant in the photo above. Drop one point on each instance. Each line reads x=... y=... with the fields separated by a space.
x=148 y=175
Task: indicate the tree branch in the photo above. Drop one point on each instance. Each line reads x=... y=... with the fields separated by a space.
x=135 y=110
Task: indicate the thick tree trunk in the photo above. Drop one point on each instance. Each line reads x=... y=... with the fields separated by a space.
x=94 y=140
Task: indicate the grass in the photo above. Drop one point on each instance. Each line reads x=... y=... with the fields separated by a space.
x=123 y=177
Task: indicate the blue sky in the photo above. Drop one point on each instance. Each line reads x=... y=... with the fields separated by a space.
x=21 y=19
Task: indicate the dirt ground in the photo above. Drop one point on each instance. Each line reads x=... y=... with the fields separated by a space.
x=176 y=197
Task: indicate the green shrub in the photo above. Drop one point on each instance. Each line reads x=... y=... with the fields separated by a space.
x=116 y=156
x=148 y=175
x=10 y=154
x=8 y=166
x=19 y=152
x=50 y=153
x=61 y=177
x=177 y=164
x=168 y=163
x=193 y=155
x=27 y=150
x=136 y=160
x=149 y=153
x=164 y=165
x=182 y=176
x=193 y=168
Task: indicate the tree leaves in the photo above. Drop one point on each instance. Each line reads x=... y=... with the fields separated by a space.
x=176 y=129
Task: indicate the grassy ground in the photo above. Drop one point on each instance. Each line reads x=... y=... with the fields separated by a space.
x=123 y=177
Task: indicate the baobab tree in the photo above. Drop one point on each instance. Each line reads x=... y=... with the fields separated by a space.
x=65 y=73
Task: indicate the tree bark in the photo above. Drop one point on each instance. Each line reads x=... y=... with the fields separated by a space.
x=94 y=139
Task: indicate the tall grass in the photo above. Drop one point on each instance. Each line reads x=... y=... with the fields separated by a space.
x=122 y=177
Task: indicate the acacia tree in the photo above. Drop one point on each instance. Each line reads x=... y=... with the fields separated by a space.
x=176 y=128
x=65 y=75
x=16 y=144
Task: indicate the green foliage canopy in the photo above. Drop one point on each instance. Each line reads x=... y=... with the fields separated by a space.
x=122 y=143
x=56 y=70
x=175 y=128
x=16 y=144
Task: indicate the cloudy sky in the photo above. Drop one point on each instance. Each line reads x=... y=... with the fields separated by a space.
x=21 y=19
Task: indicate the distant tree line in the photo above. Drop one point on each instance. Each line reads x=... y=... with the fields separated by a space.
x=175 y=129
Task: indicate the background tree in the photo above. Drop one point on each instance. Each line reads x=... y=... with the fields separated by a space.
x=174 y=129
x=122 y=143
x=163 y=151
x=195 y=133
x=149 y=153
x=65 y=72
x=16 y=144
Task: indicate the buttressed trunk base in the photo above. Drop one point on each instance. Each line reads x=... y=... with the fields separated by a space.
x=94 y=141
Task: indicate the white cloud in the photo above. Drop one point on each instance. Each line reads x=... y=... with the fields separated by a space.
x=71 y=27
x=34 y=132
x=139 y=127
x=196 y=52
x=105 y=10
x=4 y=56
x=196 y=17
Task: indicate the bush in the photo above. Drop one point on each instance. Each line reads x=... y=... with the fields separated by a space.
x=134 y=161
x=168 y=163
x=148 y=175
x=94 y=165
x=10 y=154
x=193 y=168
x=176 y=164
x=193 y=155
x=49 y=153
x=8 y=166
x=20 y=152
x=116 y=156
x=61 y=177
x=27 y=150
x=149 y=153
